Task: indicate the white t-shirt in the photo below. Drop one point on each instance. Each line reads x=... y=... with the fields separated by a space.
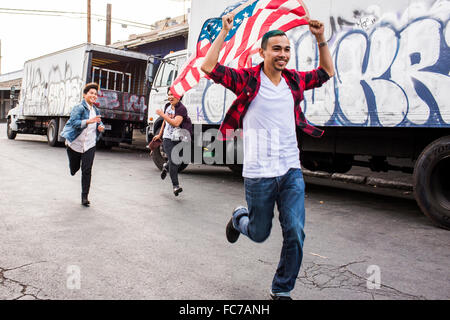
x=168 y=128
x=270 y=141
x=88 y=137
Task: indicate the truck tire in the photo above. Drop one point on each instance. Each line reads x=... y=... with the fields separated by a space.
x=9 y=132
x=431 y=181
x=105 y=145
x=159 y=157
x=52 y=133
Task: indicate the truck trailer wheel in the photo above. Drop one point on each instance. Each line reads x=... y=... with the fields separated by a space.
x=159 y=157
x=52 y=133
x=9 y=132
x=432 y=182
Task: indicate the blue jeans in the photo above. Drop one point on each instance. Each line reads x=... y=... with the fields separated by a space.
x=288 y=192
x=168 y=146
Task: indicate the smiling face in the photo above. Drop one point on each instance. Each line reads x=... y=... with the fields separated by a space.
x=90 y=96
x=172 y=100
x=277 y=53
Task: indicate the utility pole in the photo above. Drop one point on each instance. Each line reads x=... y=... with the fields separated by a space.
x=89 y=21
x=108 y=23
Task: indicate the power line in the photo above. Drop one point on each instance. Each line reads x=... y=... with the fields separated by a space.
x=99 y=18
x=43 y=11
x=53 y=13
x=40 y=14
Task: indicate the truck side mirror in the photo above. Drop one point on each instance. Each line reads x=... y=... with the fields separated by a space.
x=150 y=72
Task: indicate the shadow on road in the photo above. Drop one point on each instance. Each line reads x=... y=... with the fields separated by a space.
x=371 y=205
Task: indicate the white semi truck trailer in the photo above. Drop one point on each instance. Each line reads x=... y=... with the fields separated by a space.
x=52 y=85
x=390 y=97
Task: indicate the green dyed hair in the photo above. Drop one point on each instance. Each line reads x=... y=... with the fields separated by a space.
x=270 y=34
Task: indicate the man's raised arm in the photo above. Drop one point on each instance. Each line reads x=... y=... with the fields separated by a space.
x=326 y=61
x=212 y=57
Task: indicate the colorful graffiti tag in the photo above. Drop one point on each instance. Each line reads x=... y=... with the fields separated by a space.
x=122 y=105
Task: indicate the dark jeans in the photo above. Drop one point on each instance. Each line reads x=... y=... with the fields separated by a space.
x=168 y=146
x=85 y=161
x=288 y=192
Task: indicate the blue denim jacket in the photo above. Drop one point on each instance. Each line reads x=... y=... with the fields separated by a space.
x=77 y=122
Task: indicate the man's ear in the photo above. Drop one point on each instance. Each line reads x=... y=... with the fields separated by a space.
x=261 y=52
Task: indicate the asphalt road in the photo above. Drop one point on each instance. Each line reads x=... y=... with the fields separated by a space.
x=137 y=241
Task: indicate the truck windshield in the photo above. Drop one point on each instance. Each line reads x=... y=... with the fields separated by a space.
x=167 y=74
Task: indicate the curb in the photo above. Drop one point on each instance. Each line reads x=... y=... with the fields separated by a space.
x=361 y=180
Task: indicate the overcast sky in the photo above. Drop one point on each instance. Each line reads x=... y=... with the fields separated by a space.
x=25 y=37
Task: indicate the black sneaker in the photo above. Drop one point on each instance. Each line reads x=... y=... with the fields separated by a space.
x=84 y=200
x=231 y=232
x=177 y=190
x=275 y=297
x=164 y=171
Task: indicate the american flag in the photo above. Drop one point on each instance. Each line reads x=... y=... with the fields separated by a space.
x=253 y=18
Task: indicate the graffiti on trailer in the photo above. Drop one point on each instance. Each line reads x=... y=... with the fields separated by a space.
x=363 y=19
x=52 y=94
x=122 y=105
x=391 y=70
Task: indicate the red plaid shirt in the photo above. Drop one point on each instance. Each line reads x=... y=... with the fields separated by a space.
x=245 y=83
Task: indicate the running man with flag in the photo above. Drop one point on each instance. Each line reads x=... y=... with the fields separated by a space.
x=268 y=104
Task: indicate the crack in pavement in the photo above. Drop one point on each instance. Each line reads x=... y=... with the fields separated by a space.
x=326 y=276
x=26 y=290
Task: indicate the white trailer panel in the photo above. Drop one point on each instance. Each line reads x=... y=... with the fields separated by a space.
x=53 y=84
x=391 y=60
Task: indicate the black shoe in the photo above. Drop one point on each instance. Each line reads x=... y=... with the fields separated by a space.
x=275 y=297
x=231 y=232
x=164 y=171
x=177 y=190
x=84 y=201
